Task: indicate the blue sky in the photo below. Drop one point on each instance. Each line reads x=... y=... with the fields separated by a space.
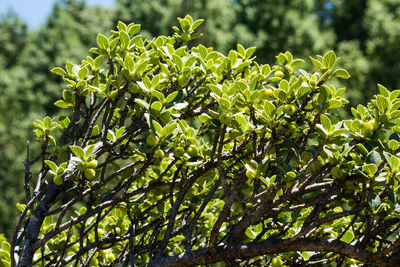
x=35 y=12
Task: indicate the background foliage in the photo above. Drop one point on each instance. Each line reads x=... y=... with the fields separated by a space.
x=364 y=34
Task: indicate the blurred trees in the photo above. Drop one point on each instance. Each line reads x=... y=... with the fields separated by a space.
x=365 y=35
x=13 y=34
x=27 y=87
x=277 y=25
x=157 y=16
x=13 y=38
x=368 y=39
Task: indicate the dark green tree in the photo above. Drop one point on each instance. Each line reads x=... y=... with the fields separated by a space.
x=27 y=90
x=383 y=43
x=157 y=17
x=13 y=39
x=13 y=36
x=368 y=40
x=275 y=25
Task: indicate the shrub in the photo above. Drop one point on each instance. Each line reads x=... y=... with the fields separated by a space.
x=173 y=155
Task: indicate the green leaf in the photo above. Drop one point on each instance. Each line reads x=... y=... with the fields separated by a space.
x=374 y=201
x=395 y=114
x=156 y=106
x=158 y=95
x=362 y=149
x=6 y=246
x=250 y=51
x=339 y=132
x=98 y=60
x=121 y=26
x=241 y=120
x=296 y=63
x=119 y=132
x=102 y=41
x=383 y=91
x=347 y=237
x=326 y=122
x=266 y=70
x=141 y=68
x=394 y=162
x=341 y=73
x=269 y=108
x=394 y=94
x=305 y=255
x=340 y=91
x=47 y=122
x=82 y=73
x=284 y=85
x=185 y=24
x=5 y=263
x=204 y=118
x=21 y=207
x=232 y=57
x=178 y=61
x=88 y=151
x=52 y=165
x=134 y=29
x=129 y=63
x=215 y=89
x=160 y=41
x=111 y=136
x=64 y=122
x=393 y=145
x=373 y=157
x=382 y=103
x=155 y=126
x=303 y=89
x=224 y=103
x=78 y=151
x=180 y=106
x=171 y=97
x=113 y=43
x=124 y=38
x=241 y=50
x=333 y=103
x=250 y=233
x=142 y=103
x=316 y=63
x=305 y=74
x=329 y=59
x=168 y=129
x=62 y=104
x=197 y=23
x=282 y=58
x=96 y=50
x=280 y=94
x=370 y=169
x=58 y=71
x=265 y=181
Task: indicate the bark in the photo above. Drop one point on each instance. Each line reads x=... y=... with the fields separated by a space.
x=33 y=227
x=246 y=251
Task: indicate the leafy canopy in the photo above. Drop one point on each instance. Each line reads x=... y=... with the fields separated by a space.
x=172 y=155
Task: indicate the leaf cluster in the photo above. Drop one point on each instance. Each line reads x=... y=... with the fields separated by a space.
x=172 y=149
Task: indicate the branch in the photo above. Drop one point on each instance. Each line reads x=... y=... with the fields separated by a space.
x=246 y=251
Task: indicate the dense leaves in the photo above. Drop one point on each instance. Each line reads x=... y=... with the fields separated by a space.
x=362 y=32
x=170 y=155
